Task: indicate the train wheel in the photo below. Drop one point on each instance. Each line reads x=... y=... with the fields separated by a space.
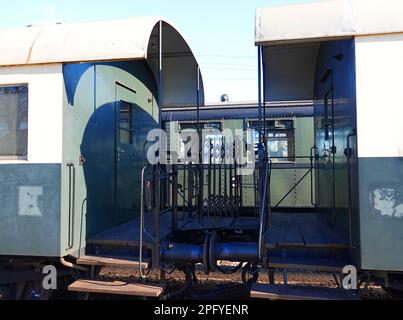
x=250 y=274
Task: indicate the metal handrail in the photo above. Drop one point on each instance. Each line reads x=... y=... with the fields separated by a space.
x=262 y=222
x=72 y=203
x=312 y=166
x=142 y=212
x=314 y=157
x=161 y=212
x=350 y=200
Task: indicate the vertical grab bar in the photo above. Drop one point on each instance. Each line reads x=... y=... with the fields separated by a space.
x=72 y=201
x=143 y=276
x=348 y=154
x=174 y=196
x=313 y=157
x=263 y=210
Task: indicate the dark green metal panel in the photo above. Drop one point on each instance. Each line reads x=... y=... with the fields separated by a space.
x=78 y=109
x=98 y=148
x=381 y=213
x=93 y=94
x=335 y=83
x=30 y=209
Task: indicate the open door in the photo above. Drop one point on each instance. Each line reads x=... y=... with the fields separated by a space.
x=328 y=150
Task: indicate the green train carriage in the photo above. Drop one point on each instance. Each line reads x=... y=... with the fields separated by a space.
x=351 y=73
x=76 y=104
x=287 y=126
x=78 y=192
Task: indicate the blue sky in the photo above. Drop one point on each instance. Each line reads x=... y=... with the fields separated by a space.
x=220 y=32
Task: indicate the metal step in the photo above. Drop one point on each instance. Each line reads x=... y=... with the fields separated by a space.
x=286 y=292
x=119 y=243
x=118 y=288
x=112 y=262
x=323 y=265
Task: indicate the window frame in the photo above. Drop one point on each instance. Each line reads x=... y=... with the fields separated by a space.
x=130 y=130
x=26 y=156
x=251 y=123
x=192 y=125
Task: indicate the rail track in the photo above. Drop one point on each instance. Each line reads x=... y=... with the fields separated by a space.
x=223 y=287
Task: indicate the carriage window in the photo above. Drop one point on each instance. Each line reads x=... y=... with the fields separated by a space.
x=280 y=136
x=203 y=126
x=212 y=149
x=126 y=123
x=213 y=142
x=13 y=122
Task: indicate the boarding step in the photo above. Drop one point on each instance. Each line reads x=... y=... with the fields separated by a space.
x=113 y=261
x=287 y=292
x=323 y=265
x=119 y=243
x=117 y=288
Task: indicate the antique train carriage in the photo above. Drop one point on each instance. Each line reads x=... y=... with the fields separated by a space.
x=76 y=104
x=346 y=55
x=289 y=132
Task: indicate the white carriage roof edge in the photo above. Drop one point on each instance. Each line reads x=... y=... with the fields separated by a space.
x=327 y=19
x=78 y=42
x=110 y=40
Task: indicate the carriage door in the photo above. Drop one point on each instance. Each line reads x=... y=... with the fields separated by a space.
x=330 y=146
x=125 y=158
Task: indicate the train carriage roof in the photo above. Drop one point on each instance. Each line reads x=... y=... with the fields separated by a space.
x=115 y=40
x=327 y=19
x=291 y=36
